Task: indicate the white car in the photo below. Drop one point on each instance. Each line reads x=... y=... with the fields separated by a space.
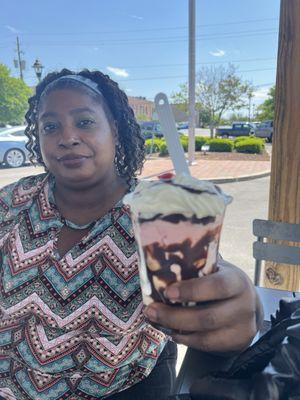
x=13 y=152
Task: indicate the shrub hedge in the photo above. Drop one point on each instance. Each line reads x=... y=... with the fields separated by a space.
x=242 y=144
x=184 y=140
x=156 y=145
x=241 y=138
x=163 y=149
x=200 y=141
x=254 y=146
x=220 y=145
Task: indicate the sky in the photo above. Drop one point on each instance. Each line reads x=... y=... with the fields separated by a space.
x=143 y=45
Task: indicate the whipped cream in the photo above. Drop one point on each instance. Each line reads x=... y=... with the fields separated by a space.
x=182 y=194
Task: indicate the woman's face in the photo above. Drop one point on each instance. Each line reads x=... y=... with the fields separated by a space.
x=76 y=139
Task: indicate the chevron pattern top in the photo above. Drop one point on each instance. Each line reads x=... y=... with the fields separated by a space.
x=71 y=327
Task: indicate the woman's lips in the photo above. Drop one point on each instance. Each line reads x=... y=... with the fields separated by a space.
x=72 y=160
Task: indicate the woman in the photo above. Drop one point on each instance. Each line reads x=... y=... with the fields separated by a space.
x=72 y=324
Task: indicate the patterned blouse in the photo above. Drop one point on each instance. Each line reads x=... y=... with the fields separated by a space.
x=71 y=327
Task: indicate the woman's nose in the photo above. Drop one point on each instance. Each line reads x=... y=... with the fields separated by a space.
x=69 y=138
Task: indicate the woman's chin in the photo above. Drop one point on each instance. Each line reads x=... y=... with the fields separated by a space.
x=77 y=177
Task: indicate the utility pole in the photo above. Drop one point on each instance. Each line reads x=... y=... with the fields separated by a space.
x=249 y=109
x=19 y=63
x=192 y=66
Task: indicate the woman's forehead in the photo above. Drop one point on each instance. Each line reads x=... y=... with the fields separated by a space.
x=68 y=98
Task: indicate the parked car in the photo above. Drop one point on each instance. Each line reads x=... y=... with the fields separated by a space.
x=237 y=129
x=265 y=130
x=13 y=152
x=183 y=125
x=150 y=128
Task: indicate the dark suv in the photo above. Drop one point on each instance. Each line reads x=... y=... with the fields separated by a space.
x=150 y=128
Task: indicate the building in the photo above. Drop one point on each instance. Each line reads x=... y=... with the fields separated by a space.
x=142 y=108
x=145 y=110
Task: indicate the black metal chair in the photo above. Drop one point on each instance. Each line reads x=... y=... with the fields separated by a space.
x=196 y=363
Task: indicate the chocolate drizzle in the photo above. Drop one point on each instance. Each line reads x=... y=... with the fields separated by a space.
x=175 y=218
x=185 y=259
x=188 y=189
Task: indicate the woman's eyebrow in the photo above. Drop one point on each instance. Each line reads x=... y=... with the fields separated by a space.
x=74 y=111
x=48 y=114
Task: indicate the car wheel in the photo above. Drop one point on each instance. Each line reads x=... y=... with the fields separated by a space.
x=14 y=158
x=225 y=136
x=270 y=139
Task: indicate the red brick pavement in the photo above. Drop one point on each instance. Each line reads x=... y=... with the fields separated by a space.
x=210 y=169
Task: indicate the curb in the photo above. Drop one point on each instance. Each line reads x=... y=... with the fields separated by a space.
x=221 y=180
x=239 y=178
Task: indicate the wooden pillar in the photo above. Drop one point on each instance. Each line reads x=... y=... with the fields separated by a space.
x=284 y=203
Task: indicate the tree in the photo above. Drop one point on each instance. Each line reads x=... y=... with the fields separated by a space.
x=237 y=116
x=266 y=110
x=180 y=98
x=220 y=89
x=14 y=95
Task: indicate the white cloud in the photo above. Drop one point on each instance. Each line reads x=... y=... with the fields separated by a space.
x=118 y=71
x=218 y=53
x=128 y=90
x=136 y=17
x=12 y=29
x=261 y=93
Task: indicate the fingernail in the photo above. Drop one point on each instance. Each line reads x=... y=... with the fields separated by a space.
x=151 y=313
x=172 y=293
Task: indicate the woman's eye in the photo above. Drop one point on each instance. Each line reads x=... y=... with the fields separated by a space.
x=49 y=127
x=85 y=123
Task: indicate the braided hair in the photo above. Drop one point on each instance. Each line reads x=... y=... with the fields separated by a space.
x=130 y=149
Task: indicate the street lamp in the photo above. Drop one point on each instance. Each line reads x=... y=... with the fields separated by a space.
x=38 y=67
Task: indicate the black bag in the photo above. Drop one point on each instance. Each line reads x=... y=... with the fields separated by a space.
x=268 y=370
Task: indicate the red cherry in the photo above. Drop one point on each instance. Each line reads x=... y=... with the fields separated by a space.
x=166 y=175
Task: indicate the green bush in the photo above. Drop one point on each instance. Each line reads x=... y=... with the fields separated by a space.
x=254 y=146
x=220 y=145
x=163 y=149
x=184 y=140
x=156 y=145
x=199 y=142
x=242 y=138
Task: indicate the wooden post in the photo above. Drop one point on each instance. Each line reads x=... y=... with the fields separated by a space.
x=284 y=203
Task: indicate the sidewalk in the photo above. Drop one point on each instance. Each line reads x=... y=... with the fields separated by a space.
x=218 y=171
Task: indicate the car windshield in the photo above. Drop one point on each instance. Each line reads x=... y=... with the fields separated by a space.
x=9 y=133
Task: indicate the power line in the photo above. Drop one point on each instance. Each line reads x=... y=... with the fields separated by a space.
x=147 y=29
x=143 y=41
x=184 y=76
x=200 y=63
x=167 y=39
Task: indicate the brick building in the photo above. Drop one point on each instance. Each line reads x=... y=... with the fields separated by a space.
x=141 y=107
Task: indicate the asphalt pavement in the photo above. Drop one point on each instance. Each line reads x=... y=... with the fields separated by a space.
x=250 y=201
